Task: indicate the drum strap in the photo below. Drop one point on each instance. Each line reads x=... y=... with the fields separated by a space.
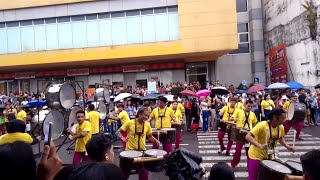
x=138 y=133
x=274 y=139
x=164 y=114
x=230 y=114
x=247 y=120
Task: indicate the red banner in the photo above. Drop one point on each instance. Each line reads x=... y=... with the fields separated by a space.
x=134 y=68
x=278 y=64
x=25 y=75
x=78 y=72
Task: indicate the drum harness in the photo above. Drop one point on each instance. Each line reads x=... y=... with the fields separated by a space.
x=273 y=141
x=247 y=120
x=230 y=114
x=164 y=114
x=138 y=133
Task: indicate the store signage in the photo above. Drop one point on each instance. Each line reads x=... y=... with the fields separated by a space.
x=256 y=80
x=25 y=75
x=134 y=68
x=278 y=64
x=78 y=72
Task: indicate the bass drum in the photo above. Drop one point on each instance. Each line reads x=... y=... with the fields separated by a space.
x=72 y=118
x=102 y=94
x=101 y=108
x=57 y=120
x=42 y=116
x=297 y=112
x=60 y=95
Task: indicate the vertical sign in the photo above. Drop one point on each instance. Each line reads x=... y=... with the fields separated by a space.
x=152 y=87
x=278 y=64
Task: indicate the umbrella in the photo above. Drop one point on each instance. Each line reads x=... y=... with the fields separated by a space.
x=170 y=98
x=255 y=88
x=294 y=85
x=121 y=96
x=36 y=103
x=220 y=90
x=188 y=93
x=136 y=97
x=149 y=97
x=278 y=86
x=203 y=92
x=317 y=86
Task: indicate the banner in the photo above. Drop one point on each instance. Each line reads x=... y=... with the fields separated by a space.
x=134 y=68
x=25 y=75
x=278 y=64
x=78 y=72
x=152 y=87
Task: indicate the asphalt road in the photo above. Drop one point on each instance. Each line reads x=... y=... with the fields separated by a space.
x=206 y=145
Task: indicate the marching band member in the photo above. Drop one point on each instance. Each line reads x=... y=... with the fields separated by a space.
x=123 y=117
x=245 y=119
x=94 y=118
x=180 y=106
x=82 y=136
x=263 y=139
x=288 y=124
x=137 y=131
x=22 y=115
x=178 y=117
x=163 y=117
x=266 y=106
x=239 y=104
x=226 y=113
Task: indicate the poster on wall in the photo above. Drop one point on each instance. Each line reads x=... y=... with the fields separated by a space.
x=278 y=64
x=152 y=87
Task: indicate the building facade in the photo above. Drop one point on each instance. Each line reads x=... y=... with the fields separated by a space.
x=112 y=41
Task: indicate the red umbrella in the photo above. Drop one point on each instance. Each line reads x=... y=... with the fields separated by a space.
x=188 y=93
x=255 y=88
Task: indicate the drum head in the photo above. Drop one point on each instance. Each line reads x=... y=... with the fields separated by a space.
x=57 y=120
x=156 y=152
x=130 y=154
x=169 y=129
x=276 y=166
x=106 y=94
x=67 y=96
x=295 y=165
x=102 y=109
x=111 y=106
x=291 y=111
x=73 y=117
x=42 y=115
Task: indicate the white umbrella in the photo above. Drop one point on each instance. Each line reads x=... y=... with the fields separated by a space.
x=220 y=90
x=278 y=86
x=121 y=96
x=170 y=98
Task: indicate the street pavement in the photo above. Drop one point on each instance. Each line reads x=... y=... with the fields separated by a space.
x=207 y=145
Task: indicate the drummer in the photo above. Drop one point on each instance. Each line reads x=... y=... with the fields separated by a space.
x=94 y=118
x=137 y=130
x=245 y=119
x=288 y=124
x=178 y=118
x=239 y=104
x=226 y=113
x=163 y=117
x=263 y=147
x=180 y=106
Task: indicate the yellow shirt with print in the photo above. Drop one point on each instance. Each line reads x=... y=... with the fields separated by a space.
x=22 y=115
x=6 y=118
x=259 y=134
x=167 y=115
x=133 y=138
x=241 y=115
x=286 y=106
x=124 y=117
x=81 y=142
x=17 y=136
x=177 y=115
x=180 y=107
x=266 y=104
x=94 y=118
x=227 y=112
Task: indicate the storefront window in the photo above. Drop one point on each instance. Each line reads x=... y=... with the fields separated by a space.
x=197 y=72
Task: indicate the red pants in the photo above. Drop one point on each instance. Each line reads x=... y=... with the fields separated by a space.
x=178 y=139
x=237 y=155
x=288 y=125
x=124 y=134
x=220 y=137
x=79 y=157
x=166 y=147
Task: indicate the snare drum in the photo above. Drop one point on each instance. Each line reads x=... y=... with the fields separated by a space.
x=296 y=167
x=155 y=166
x=297 y=112
x=239 y=134
x=178 y=126
x=60 y=95
x=166 y=138
x=126 y=161
x=270 y=170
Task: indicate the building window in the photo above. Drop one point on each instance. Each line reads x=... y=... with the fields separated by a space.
x=92 y=30
x=242 y=5
x=243 y=39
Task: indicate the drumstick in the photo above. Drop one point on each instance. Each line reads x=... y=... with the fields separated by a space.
x=158 y=135
x=267 y=129
x=260 y=118
x=294 y=137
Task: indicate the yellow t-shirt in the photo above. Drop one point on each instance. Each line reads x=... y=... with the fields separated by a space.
x=286 y=106
x=86 y=115
x=238 y=105
x=130 y=127
x=124 y=117
x=22 y=115
x=177 y=115
x=13 y=110
x=17 y=136
x=259 y=133
x=168 y=116
x=266 y=104
x=149 y=110
x=241 y=116
x=180 y=107
x=81 y=142
x=94 y=118
x=227 y=112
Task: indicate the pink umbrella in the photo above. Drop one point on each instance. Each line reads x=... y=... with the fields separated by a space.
x=258 y=87
x=203 y=92
x=188 y=93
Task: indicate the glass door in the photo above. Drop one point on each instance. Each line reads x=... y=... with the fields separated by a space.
x=197 y=72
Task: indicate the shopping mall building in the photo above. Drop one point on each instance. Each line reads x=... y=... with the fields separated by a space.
x=129 y=42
